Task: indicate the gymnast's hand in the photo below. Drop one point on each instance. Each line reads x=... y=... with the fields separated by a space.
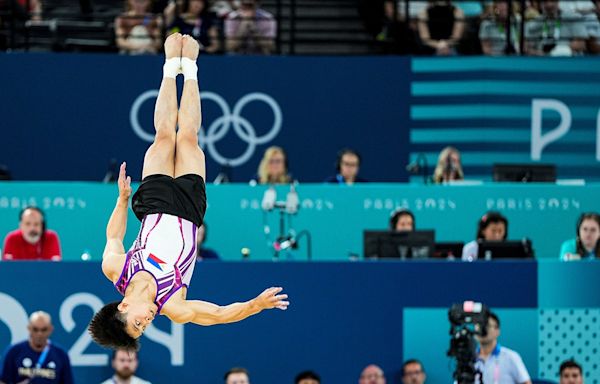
x=124 y=183
x=270 y=299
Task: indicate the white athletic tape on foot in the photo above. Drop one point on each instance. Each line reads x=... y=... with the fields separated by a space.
x=189 y=68
x=172 y=67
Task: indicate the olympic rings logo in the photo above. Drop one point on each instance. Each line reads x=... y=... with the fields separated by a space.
x=219 y=128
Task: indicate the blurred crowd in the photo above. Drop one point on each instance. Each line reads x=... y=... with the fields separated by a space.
x=416 y=27
x=499 y=27
x=140 y=26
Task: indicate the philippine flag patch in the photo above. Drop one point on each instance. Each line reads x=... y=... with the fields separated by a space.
x=152 y=259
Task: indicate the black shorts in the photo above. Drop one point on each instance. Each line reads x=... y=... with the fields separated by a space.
x=183 y=197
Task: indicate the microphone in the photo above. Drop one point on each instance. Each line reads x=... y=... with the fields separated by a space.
x=292 y=201
x=269 y=198
x=413 y=167
x=111 y=173
x=417 y=165
x=224 y=175
x=449 y=166
x=245 y=253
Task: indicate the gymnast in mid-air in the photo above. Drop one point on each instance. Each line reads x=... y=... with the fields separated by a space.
x=153 y=276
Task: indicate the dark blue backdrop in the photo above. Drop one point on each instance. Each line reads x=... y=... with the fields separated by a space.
x=342 y=317
x=65 y=116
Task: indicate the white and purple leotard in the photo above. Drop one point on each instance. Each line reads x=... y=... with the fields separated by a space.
x=166 y=248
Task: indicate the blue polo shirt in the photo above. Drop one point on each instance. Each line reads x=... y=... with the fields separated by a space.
x=21 y=362
x=503 y=366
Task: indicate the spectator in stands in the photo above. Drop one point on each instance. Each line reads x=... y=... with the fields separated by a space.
x=571 y=372
x=498 y=363
x=372 y=374
x=125 y=363
x=402 y=220
x=32 y=241
x=37 y=357
x=203 y=253
x=137 y=30
x=237 y=375
x=492 y=226
x=273 y=168
x=250 y=29
x=307 y=377
x=592 y=25
x=222 y=8
x=492 y=31
x=413 y=372
x=555 y=32
x=586 y=244
x=449 y=166
x=441 y=27
x=196 y=21
x=347 y=166
x=397 y=34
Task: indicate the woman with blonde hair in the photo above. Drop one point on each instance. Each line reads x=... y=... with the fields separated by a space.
x=448 y=167
x=273 y=167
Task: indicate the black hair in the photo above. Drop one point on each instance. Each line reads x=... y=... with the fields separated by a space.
x=107 y=328
x=412 y=361
x=341 y=153
x=235 y=370
x=307 y=375
x=580 y=248
x=492 y=315
x=570 y=364
x=490 y=218
x=38 y=210
x=395 y=216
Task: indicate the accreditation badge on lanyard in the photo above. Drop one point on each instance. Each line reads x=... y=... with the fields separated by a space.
x=496 y=357
x=41 y=360
x=497 y=372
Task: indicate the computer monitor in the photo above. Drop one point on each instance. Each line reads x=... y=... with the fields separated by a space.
x=525 y=172
x=399 y=245
x=489 y=250
x=448 y=250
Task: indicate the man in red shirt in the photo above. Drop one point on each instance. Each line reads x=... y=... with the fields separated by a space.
x=32 y=241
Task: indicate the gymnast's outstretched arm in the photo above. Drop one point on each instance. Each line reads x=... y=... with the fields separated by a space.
x=205 y=313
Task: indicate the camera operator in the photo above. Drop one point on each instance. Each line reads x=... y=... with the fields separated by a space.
x=499 y=364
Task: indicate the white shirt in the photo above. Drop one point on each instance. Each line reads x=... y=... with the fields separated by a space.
x=579 y=6
x=503 y=366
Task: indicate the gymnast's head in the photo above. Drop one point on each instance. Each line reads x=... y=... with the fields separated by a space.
x=120 y=324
